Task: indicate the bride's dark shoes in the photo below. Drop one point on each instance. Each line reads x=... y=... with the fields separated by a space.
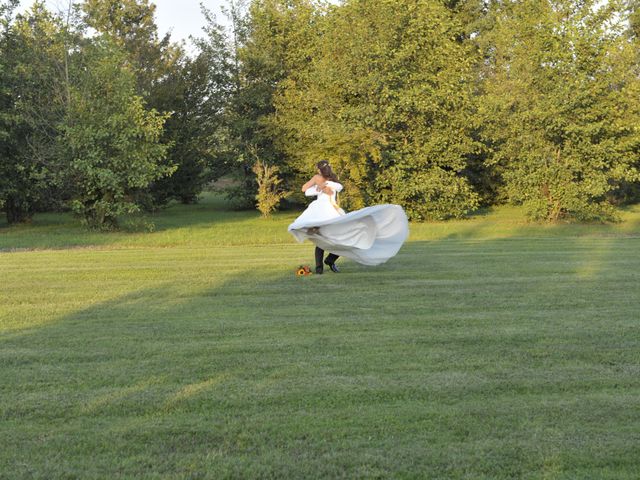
x=334 y=268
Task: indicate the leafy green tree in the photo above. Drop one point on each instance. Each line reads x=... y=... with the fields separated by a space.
x=634 y=18
x=7 y=113
x=131 y=25
x=163 y=72
x=184 y=90
x=263 y=50
x=112 y=140
x=32 y=106
x=559 y=110
x=198 y=93
x=384 y=91
x=196 y=129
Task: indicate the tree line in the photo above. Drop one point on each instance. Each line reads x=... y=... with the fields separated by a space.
x=441 y=106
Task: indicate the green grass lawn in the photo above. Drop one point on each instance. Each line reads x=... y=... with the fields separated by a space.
x=488 y=348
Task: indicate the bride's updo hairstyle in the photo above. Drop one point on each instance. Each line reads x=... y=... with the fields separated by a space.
x=325 y=171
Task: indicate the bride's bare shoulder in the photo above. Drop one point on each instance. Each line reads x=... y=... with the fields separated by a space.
x=315 y=180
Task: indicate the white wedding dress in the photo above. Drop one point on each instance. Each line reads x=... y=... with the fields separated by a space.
x=369 y=236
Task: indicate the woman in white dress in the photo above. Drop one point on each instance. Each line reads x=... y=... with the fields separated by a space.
x=369 y=236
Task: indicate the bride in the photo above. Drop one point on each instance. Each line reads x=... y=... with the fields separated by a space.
x=369 y=236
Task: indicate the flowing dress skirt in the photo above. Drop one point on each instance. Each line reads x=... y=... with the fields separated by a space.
x=369 y=236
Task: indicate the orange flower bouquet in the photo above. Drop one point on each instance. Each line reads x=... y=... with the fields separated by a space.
x=303 y=271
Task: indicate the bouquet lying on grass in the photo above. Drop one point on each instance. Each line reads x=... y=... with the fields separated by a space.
x=303 y=271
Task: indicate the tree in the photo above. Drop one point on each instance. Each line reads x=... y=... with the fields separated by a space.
x=161 y=69
x=131 y=25
x=112 y=141
x=7 y=114
x=558 y=109
x=32 y=106
x=184 y=94
x=262 y=45
x=198 y=92
x=634 y=18
x=384 y=90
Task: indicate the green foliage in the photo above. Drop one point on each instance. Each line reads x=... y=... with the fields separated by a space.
x=433 y=193
x=187 y=131
x=269 y=191
x=440 y=106
x=560 y=108
x=169 y=81
x=634 y=19
x=198 y=93
x=131 y=25
x=32 y=105
x=261 y=46
x=386 y=97
x=111 y=139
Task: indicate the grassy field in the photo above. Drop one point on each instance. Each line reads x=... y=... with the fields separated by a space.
x=488 y=348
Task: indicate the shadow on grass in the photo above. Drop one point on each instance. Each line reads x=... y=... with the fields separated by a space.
x=495 y=359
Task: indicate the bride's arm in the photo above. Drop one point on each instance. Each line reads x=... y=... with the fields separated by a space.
x=316 y=180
